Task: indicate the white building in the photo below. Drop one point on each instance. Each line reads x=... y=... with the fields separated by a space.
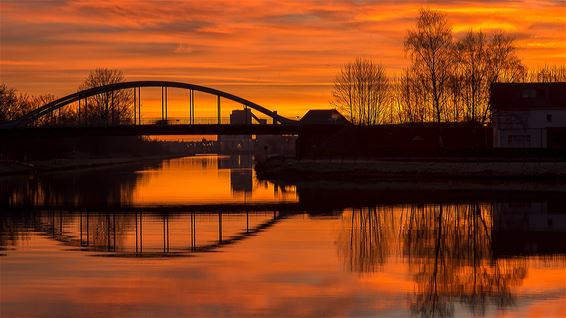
x=527 y=115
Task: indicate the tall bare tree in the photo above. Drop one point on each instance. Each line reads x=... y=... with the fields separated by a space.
x=429 y=46
x=482 y=59
x=110 y=107
x=14 y=106
x=411 y=97
x=9 y=103
x=60 y=116
x=361 y=91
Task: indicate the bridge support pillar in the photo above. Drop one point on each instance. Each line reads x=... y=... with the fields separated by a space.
x=135 y=106
x=164 y=103
x=191 y=106
x=139 y=105
x=218 y=106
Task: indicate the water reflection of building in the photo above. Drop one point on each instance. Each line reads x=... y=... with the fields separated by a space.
x=241 y=181
x=241 y=174
x=527 y=228
x=235 y=162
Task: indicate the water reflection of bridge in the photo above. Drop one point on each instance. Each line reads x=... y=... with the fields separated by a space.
x=146 y=234
x=455 y=253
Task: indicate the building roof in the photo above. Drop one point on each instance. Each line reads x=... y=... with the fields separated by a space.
x=528 y=96
x=324 y=117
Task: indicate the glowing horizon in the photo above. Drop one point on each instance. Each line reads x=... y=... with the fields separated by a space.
x=283 y=56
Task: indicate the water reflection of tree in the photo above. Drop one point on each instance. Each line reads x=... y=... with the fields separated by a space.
x=84 y=188
x=449 y=252
x=448 y=249
x=366 y=242
x=13 y=227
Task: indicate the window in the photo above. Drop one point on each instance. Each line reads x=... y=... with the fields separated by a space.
x=548 y=118
x=534 y=93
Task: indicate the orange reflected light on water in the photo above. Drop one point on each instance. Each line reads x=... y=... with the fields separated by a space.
x=292 y=269
x=189 y=181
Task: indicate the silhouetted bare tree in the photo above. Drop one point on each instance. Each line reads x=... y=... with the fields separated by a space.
x=429 y=46
x=547 y=73
x=12 y=105
x=410 y=98
x=361 y=91
x=110 y=107
x=481 y=60
x=62 y=115
x=450 y=248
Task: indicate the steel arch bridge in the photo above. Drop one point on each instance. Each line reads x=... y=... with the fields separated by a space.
x=83 y=95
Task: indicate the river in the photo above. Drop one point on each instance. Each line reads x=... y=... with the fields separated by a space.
x=203 y=237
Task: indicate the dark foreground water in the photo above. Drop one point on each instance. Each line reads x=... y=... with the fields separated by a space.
x=202 y=237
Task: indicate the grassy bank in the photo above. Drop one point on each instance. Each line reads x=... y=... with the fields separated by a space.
x=285 y=169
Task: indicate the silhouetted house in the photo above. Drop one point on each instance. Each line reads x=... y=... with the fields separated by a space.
x=324 y=117
x=528 y=115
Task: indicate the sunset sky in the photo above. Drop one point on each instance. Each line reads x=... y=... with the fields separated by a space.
x=281 y=54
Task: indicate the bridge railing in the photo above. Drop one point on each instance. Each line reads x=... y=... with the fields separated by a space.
x=184 y=121
x=197 y=121
x=144 y=121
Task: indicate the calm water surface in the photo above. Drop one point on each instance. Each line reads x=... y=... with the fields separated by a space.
x=173 y=239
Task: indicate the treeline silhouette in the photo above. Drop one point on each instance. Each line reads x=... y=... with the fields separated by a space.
x=448 y=78
x=110 y=108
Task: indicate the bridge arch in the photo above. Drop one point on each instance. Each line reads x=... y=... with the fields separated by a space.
x=71 y=98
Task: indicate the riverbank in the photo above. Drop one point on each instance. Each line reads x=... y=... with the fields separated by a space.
x=287 y=169
x=10 y=167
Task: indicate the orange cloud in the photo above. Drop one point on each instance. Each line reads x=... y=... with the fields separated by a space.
x=283 y=55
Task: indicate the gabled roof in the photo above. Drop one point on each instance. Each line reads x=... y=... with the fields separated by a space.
x=324 y=117
x=528 y=96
